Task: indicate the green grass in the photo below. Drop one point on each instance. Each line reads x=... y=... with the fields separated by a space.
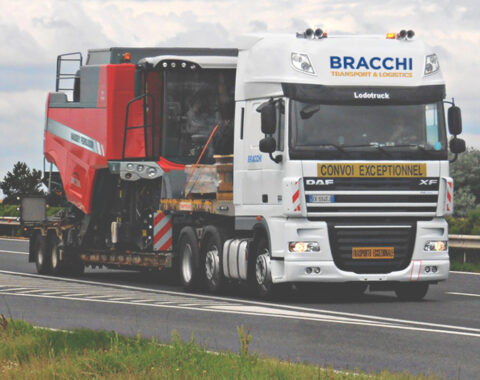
x=11 y=210
x=465 y=267
x=29 y=352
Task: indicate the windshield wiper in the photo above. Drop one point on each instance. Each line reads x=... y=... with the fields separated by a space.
x=337 y=147
x=419 y=147
x=378 y=147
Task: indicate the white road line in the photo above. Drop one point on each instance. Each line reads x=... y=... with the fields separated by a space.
x=470 y=273
x=241 y=301
x=14 y=252
x=464 y=294
x=319 y=318
x=10 y=239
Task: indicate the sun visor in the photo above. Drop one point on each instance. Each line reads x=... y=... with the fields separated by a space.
x=364 y=95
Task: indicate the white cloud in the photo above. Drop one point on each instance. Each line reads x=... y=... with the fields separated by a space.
x=33 y=33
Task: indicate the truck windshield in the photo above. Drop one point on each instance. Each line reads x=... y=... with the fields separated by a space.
x=387 y=132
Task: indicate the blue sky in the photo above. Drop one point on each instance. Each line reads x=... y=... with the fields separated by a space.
x=33 y=33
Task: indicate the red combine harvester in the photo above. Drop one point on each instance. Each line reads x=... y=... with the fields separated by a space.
x=106 y=143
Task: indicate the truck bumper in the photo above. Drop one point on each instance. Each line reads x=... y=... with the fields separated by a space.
x=320 y=266
x=326 y=271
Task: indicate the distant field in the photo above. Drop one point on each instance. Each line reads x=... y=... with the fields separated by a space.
x=29 y=352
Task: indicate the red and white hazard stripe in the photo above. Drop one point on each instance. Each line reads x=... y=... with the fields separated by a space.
x=449 y=196
x=297 y=205
x=162 y=232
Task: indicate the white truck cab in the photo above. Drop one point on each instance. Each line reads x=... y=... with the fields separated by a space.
x=341 y=152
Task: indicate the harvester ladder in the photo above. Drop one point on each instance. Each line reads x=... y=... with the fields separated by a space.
x=62 y=76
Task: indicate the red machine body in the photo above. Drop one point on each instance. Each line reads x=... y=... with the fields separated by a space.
x=81 y=137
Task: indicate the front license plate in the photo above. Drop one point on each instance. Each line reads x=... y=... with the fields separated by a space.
x=321 y=198
x=373 y=253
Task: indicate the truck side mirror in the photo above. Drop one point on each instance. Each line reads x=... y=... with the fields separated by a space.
x=454 y=120
x=268 y=145
x=269 y=117
x=457 y=145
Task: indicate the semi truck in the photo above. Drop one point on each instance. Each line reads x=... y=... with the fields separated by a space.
x=292 y=159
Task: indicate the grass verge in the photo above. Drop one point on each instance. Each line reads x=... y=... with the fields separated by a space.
x=464 y=267
x=29 y=352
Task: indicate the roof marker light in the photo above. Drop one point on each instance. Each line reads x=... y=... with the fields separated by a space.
x=391 y=36
x=127 y=57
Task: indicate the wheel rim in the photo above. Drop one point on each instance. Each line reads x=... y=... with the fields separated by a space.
x=40 y=256
x=54 y=256
x=187 y=263
x=261 y=267
x=211 y=263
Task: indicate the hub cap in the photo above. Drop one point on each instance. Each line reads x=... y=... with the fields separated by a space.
x=211 y=263
x=40 y=256
x=187 y=263
x=262 y=268
x=54 y=257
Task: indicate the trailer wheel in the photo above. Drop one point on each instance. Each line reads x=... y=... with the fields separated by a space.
x=42 y=260
x=54 y=252
x=212 y=249
x=188 y=254
x=411 y=292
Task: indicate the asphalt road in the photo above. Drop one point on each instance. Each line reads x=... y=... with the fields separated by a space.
x=440 y=335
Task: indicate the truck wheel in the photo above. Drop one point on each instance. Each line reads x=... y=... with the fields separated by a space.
x=42 y=260
x=188 y=255
x=54 y=252
x=411 y=292
x=212 y=252
x=260 y=276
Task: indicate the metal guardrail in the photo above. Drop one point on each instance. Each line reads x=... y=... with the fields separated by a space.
x=10 y=220
x=464 y=241
x=454 y=241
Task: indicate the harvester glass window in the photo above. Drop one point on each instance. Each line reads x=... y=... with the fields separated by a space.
x=197 y=101
x=393 y=131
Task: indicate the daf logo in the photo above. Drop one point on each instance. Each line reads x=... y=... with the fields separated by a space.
x=428 y=182
x=319 y=182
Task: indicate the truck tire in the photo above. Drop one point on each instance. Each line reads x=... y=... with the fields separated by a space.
x=411 y=292
x=212 y=259
x=53 y=252
x=42 y=260
x=189 y=259
x=259 y=272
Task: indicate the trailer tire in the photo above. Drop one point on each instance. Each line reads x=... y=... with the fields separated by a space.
x=53 y=252
x=411 y=291
x=189 y=259
x=212 y=259
x=42 y=260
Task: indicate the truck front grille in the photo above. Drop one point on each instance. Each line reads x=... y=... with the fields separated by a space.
x=371 y=197
x=344 y=237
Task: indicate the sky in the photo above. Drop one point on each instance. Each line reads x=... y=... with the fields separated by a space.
x=33 y=33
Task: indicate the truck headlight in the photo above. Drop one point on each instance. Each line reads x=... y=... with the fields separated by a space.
x=431 y=64
x=301 y=62
x=436 y=246
x=303 y=246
